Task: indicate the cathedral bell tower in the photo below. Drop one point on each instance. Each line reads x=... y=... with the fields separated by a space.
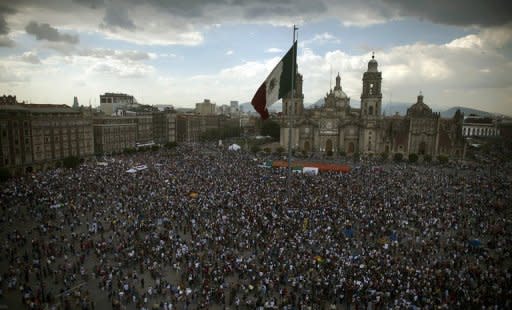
x=371 y=97
x=298 y=102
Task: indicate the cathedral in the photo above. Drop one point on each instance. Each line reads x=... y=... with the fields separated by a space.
x=337 y=128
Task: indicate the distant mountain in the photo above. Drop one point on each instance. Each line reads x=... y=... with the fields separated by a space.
x=247 y=107
x=467 y=111
x=387 y=109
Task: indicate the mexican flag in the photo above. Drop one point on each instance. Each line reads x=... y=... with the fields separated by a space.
x=277 y=85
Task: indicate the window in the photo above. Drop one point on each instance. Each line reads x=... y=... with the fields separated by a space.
x=370 y=110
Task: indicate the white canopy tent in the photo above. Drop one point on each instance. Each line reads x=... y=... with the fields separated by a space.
x=234 y=147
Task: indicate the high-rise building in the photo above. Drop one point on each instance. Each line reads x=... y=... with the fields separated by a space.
x=205 y=108
x=111 y=102
x=234 y=106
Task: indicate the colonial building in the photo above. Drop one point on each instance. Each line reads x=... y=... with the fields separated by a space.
x=38 y=136
x=477 y=126
x=336 y=127
x=114 y=134
x=164 y=126
x=190 y=127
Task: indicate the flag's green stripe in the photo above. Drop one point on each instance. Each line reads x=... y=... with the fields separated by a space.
x=285 y=85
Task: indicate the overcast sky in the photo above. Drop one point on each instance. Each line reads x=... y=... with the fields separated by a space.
x=456 y=52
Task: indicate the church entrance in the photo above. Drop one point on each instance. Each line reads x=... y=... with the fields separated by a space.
x=422 y=148
x=306 y=146
x=351 y=148
x=328 y=146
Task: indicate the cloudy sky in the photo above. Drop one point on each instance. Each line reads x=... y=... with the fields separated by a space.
x=456 y=52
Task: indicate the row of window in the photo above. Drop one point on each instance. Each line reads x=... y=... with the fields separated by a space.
x=471 y=131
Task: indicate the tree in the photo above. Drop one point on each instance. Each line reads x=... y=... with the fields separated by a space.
x=71 y=162
x=255 y=148
x=384 y=155
x=5 y=174
x=155 y=147
x=170 y=145
x=267 y=150
x=280 y=150
x=270 y=128
x=398 y=157
x=442 y=159
x=343 y=153
x=413 y=158
x=129 y=151
x=427 y=158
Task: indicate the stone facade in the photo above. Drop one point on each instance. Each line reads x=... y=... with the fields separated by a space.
x=114 y=134
x=164 y=126
x=476 y=126
x=336 y=127
x=190 y=127
x=38 y=136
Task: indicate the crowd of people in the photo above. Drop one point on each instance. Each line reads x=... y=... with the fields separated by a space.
x=201 y=227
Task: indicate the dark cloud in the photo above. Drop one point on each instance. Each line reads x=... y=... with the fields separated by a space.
x=457 y=12
x=47 y=32
x=4 y=11
x=93 y=4
x=116 y=16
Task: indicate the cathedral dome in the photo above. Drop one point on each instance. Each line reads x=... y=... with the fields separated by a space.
x=419 y=109
x=338 y=93
x=372 y=65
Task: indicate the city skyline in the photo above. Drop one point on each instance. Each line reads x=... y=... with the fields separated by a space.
x=457 y=54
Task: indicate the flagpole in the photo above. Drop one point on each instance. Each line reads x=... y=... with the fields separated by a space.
x=290 y=119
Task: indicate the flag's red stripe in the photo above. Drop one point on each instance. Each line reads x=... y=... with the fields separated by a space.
x=259 y=101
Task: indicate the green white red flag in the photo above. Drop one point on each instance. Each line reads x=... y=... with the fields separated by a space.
x=277 y=85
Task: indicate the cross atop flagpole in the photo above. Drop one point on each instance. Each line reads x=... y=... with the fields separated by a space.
x=290 y=121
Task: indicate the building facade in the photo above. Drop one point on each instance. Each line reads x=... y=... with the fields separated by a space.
x=111 y=102
x=38 y=136
x=206 y=107
x=336 y=127
x=164 y=126
x=190 y=127
x=114 y=134
x=476 y=126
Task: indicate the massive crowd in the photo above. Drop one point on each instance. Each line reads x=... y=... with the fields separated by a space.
x=202 y=227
